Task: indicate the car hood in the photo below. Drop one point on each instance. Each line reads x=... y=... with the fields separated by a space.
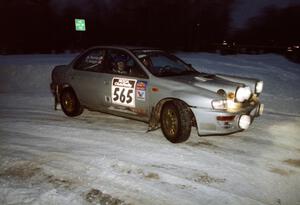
x=208 y=81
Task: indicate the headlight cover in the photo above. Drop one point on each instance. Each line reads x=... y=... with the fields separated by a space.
x=259 y=86
x=219 y=104
x=242 y=94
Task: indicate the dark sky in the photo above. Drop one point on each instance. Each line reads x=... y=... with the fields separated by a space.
x=242 y=10
x=245 y=9
x=190 y=24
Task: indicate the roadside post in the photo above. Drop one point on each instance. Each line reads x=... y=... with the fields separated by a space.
x=81 y=28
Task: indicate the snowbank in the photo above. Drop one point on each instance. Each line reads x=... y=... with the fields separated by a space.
x=29 y=73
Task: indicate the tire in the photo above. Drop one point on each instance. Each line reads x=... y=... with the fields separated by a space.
x=176 y=121
x=69 y=103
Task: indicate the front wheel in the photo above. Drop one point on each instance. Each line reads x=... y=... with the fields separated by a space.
x=176 y=121
x=69 y=103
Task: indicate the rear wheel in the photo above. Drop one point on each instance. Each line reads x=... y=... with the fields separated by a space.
x=69 y=103
x=176 y=121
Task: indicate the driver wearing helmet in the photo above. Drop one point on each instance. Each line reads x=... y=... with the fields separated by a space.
x=120 y=66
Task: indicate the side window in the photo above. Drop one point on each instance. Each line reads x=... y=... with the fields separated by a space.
x=91 y=61
x=121 y=63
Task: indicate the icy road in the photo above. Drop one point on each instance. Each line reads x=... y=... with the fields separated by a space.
x=47 y=158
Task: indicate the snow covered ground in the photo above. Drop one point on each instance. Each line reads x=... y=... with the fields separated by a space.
x=48 y=158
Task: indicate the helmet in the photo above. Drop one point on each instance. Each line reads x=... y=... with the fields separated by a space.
x=120 y=64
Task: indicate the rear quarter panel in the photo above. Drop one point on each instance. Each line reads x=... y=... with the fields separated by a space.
x=58 y=74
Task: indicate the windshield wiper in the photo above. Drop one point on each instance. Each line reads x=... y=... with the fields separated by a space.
x=166 y=71
x=188 y=72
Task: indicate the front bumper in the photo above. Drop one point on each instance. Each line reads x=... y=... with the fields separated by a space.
x=213 y=122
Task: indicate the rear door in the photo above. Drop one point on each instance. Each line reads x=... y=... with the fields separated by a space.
x=87 y=78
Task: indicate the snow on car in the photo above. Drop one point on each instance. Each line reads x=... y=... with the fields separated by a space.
x=158 y=88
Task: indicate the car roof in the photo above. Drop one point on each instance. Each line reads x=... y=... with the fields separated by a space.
x=130 y=48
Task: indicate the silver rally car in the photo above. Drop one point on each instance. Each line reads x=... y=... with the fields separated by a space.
x=158 y=88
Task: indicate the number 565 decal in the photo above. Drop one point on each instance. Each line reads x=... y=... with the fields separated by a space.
x=123 y=91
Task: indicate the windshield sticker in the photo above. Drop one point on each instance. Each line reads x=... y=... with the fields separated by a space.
x=123 y=92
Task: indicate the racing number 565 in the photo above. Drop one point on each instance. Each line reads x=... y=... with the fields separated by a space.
x=122 y=96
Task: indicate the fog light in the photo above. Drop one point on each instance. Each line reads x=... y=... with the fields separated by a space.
x=242 y=94
x=259 y=86
x=261 y=109
x=244 y=122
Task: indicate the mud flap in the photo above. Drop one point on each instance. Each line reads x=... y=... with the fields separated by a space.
x=55 y=103
x=154 y=123
x=55 y=92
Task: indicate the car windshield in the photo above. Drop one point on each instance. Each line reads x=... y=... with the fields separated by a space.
x=161 y=64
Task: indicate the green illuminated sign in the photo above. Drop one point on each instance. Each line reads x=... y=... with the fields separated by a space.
x=80 y=25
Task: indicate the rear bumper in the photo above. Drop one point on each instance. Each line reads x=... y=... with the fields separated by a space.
x=212 y=122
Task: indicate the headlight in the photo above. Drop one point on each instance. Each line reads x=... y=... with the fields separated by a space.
x=242 y=94
x=259 y=86
x=219 y=104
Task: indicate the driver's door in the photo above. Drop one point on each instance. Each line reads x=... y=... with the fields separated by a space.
x=128 y=92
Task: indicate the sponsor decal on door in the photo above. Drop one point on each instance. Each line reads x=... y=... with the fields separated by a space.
x=141 y=87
